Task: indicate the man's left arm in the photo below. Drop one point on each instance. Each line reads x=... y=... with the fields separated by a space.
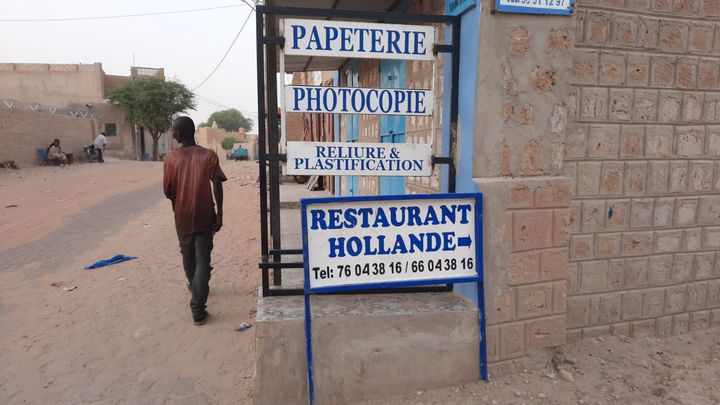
x=217 y=176
x=218 y=192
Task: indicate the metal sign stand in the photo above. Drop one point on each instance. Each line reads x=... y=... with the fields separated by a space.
x=269 y=142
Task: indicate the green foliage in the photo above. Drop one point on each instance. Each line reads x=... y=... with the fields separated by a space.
x=230 y=120
x=152 y=103
x=228 y=142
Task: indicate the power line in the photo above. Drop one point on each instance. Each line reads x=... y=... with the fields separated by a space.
x=218 y=104
x=226 y=52
x=118 y=16
x=248 y=4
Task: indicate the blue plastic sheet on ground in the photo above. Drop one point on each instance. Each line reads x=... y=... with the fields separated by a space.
x=109 y=262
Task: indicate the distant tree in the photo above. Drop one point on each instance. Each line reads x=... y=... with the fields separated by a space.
x=228 y=142
x=152 y=103
x=230 y=120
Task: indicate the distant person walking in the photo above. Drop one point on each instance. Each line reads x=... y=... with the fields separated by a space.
x=188 y=175
x=99 y=143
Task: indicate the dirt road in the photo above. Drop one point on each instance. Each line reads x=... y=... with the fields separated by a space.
x=125 y=335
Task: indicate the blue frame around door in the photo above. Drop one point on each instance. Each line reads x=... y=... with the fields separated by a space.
x=352 y=126
x=393 y=74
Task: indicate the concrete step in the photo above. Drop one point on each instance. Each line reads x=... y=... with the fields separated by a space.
x=365 y=346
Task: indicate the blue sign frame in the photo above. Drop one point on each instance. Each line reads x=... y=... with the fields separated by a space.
x=534 y=10
x=457 y=7
x=308 y=291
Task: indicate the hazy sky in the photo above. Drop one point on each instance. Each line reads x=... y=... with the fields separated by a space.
x=188 y=45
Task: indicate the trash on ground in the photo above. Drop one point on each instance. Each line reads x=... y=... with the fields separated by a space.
x=68 y=289
x=147 y=225
x=11 y=206
x=242 y=327
x=121 y=279
x=109 y=262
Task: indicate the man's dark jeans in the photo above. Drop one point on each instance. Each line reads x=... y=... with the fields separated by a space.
x=196 y=250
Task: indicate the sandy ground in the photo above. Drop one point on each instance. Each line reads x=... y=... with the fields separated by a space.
x=683 y=369
x=125 y=335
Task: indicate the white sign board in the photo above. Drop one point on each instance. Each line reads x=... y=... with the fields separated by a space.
x=411 y=240
x=353 y=159
x=345 y=39
x=563 y=7
x=357 y=100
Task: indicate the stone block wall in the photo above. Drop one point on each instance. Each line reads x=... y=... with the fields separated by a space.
x=643 y=154
x=522 y=110
x=22 y=132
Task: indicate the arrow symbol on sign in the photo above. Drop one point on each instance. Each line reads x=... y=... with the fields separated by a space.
x=464 y=241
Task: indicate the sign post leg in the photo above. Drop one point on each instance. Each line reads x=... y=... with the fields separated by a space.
x=481 y=331
x=309 y=353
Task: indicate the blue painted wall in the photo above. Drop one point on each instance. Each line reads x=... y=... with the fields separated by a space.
x=336 y=132
x=470 y=26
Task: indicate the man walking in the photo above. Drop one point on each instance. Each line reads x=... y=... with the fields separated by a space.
x=188 y=175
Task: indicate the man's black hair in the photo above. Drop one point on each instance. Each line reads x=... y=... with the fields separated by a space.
x=185 y=127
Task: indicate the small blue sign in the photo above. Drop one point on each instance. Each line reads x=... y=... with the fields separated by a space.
x=554 y=7
x=457 y=7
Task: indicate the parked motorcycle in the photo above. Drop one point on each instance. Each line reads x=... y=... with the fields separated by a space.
x=91 y=153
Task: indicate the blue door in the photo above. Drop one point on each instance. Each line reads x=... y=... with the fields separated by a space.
x=392 y=127
x=352 y=125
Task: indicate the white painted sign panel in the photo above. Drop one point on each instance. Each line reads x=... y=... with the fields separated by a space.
x=353 y=159
x=408 y=240
x=563 y=7
x=346 y=39
x=357 y=100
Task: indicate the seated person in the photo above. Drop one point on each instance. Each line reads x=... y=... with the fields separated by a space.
x=55 y=153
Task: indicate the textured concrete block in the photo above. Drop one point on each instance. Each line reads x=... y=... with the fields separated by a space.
x=704 y=265
x=686 y=76
x=668 y=241
x=708 y=73
x=659 y=177
x=638 y=69
x=663 y=215
x=643 y=328
x=581 y=247
x=699 y=320
x=690 y=140
x=685 y=211
x=546 y=332
x=701 y=176
x=681 y=324
x=616 y=274
x=559 y=301
x=618 y=214
x=593 y=215
x=597 y=28
x=624 y=30
x=635 y=178
x=637 y=243
x=664 y=326
x=645 y=106
x=713 y=294
x=678 y=176
x=532 y=229
x=653 y=302
x=692 y=239
x=588 y=182
x=659 y=141
x=593 y=103
x=607 y=245
x=675 y=299
x=578 y=309
x=683 y=267
x=553 y=193
x=701 y=37
x=673 y=35
x=522 y=268
x=711 y=238
x=593 y=276
x=604 y=141
x=641 y=214
x=659 y=269
x=610 y=308
x=576 y=141
x=585 y=67
x=692 y=110
x=633 y=141
x=708 y=210
x=636 y=272
x=697 y=296
x=512 y=340
x=632 y=305
x=612 y=71
x=553 y=264
x=669 y=106
x=662 y=71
